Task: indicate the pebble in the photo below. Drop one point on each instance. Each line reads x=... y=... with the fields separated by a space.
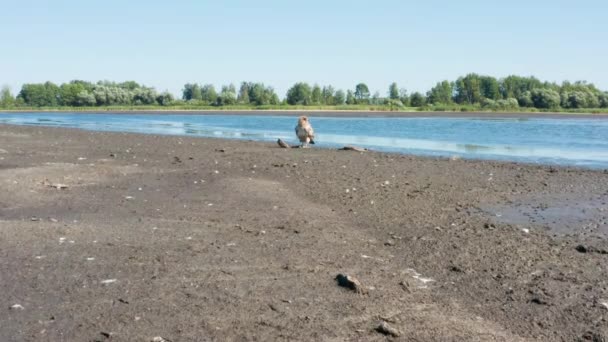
x=17 y=307
x=386 y=329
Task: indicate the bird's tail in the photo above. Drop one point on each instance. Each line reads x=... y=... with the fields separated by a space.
x=312 y=141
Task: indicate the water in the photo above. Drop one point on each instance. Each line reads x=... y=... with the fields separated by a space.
x=568 y=141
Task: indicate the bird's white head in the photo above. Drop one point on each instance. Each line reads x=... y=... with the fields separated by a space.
x=303 y=120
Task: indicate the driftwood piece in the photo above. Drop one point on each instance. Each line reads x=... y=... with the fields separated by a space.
x=353 y=148
x=283 y=144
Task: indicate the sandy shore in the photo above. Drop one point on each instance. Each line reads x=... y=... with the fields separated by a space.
x=126 y=237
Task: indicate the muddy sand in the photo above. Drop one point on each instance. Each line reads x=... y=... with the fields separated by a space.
x=126 y=237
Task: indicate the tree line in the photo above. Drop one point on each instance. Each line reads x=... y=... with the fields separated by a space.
x=481 y=91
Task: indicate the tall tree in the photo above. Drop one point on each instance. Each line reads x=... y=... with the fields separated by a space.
x=192 y=91
x=327 y=95
x=243 y=96
x=393 y=91
x=6 y=97
x=208 y=93
x=350 y=97
x=362 y=93
x=316 y=95
x=468 y=89
x=340 y=98
x=490 y=88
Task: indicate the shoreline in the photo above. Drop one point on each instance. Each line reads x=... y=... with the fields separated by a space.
x=328 y=113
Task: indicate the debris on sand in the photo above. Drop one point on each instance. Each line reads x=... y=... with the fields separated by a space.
x=593 y=337
x=385 y=329
x=419 y=278
x=351 y=283
x=58 y=186
x=108 y=281
x=353 y=148
x=16 y=307
x=590 y=249
x=159 y=339
x=405 y=285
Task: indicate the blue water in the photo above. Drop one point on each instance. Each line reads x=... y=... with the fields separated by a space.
x=564 y=141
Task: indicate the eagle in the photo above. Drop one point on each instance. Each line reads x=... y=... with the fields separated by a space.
x=305 y=132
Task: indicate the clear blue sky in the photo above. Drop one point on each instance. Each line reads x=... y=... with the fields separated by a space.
x=415 y=43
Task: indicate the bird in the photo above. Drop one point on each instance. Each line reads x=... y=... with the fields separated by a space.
x=305 y=132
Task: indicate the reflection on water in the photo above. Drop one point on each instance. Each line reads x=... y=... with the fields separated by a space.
x=580 y=142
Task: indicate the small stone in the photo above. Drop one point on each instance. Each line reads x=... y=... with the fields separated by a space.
x=351 y=283
x=385 y=329
x=16 y=307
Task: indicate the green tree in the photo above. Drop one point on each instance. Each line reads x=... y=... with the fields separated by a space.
x=144 y=96
x=227 y=96
x=165 y=98
x=393 y=91
x=603 y=100
x=525 y=99
x=208 y=93
x=362 y=93
x=130 y=85
x=40 y=95
x=376 y=99
x=403 y=97
x=339 y=98
x=316 y=96
x=243 y=96
x=545 y=98
x=84 y=98
x=490 y=89
x=299 y=94
x=350 y=97
x=441 y=93
x=515 y=86
x=417 y=100
x=70 y=94
x=6 y=97
x=468 y=89
x=192 y=91
x=328 y=96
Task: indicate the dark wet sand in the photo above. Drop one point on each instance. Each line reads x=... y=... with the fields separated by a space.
x=215 y=240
